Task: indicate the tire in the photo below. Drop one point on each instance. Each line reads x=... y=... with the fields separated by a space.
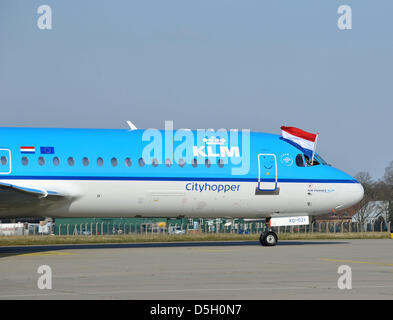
x=268 y=239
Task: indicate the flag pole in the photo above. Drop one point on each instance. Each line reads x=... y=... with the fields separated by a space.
x=315 y=147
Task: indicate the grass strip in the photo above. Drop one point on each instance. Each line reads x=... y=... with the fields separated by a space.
x=51 y=240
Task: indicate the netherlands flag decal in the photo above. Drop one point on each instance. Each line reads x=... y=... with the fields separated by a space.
x=27 y=149
x=303 y=139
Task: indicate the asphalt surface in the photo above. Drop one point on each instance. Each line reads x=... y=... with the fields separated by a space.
x=200 y=270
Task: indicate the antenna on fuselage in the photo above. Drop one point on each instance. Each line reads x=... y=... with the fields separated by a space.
x=131 y=125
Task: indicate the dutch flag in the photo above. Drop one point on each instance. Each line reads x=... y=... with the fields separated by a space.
x=303 y=140
x=27 y=149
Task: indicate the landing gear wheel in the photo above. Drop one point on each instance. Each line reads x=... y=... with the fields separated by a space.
x=268 y=239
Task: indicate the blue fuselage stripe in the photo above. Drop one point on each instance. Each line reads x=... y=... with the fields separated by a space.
x=92 y=178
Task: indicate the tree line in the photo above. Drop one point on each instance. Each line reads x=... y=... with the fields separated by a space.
x=378 y=195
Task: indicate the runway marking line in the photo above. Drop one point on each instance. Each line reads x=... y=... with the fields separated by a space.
x=360 y=262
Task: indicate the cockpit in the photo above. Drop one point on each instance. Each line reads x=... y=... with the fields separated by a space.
x=303 y=160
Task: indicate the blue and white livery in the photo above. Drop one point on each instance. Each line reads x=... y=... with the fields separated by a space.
x=120 y=173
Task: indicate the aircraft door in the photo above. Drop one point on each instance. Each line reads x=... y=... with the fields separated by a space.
x=267 y=172
x=5 y=161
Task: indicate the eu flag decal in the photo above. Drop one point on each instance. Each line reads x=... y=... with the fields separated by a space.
x=47 y=150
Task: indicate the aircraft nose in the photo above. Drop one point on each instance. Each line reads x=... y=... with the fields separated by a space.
x=351 y=195
x=357 y=193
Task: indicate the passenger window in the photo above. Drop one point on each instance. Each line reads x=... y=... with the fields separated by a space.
x=25 y=161
x=154 y=162
x=41 y=161
x=194 y=162
x=181 y=162
x=85 y=161
x=141 y=162
x=71 y=161
x=299 y=160
x=114 y=162
x=168 y=162
x=56 y=161
x=220 y=163
x=208 y=163
x=128 y=162
x=100 y=162
x=4 y=160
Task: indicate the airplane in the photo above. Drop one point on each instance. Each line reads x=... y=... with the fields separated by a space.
x=57 y=172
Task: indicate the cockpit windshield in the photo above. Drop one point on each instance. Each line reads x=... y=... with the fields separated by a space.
x=320 y=159
x=316 y=161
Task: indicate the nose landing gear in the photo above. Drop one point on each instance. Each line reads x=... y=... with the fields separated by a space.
x=268 y=237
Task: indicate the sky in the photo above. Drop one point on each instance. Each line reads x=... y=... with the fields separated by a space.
x=248 y=64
